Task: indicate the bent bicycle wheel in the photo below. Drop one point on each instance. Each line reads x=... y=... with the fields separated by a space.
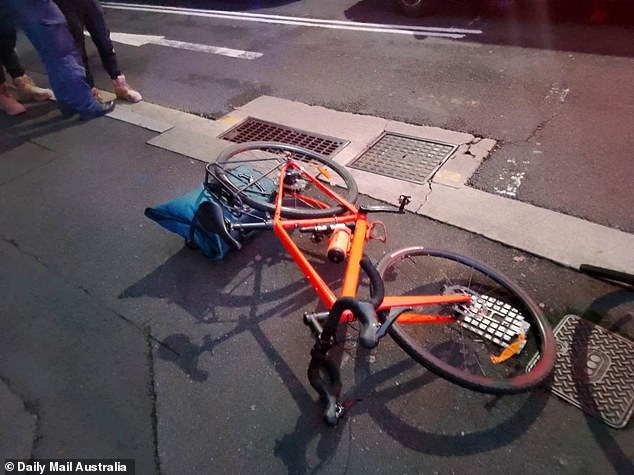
x=302 y=197
x=498 y=342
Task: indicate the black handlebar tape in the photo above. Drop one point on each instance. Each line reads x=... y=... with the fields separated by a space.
x=327 y=383
x=377 y=289
x=366 y=314
x=362 y=311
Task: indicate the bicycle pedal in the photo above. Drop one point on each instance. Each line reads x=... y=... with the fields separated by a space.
x=491 y=318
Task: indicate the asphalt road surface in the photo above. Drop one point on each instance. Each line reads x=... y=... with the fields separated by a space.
x=553 y=88
x=119 y=342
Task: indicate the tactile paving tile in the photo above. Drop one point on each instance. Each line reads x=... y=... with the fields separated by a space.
x=594 y=370
x=404 y=158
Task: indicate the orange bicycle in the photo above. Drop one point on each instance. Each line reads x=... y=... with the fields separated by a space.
x=458 y=318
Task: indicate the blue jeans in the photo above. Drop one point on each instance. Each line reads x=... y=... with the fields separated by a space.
x=46 y=28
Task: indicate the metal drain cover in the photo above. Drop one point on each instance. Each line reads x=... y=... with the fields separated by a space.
x=594 y=370
x=256 y=130
x=404 y=158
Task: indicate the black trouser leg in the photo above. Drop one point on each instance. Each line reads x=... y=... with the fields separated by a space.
x=100 y=34
x=8 y=57
x=72 y=12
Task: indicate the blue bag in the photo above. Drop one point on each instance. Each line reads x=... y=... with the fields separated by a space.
x=180 y=216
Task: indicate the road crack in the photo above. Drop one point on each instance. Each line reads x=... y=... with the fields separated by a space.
x=153 y=396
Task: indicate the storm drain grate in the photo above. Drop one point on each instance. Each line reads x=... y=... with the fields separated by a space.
x=404 y=158
x=256 y=130
x=594 y=370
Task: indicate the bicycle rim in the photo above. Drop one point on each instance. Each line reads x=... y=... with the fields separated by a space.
x=302 y=198
x=462 y=349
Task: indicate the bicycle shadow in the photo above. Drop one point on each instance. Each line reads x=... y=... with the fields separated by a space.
x=381 y=389
x=199 y=286
x=366 y=400
x=509 y=424
x=183 y=280
x=614 y=311
x=382 y=404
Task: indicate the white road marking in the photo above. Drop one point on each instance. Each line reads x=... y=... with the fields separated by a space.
x=558 y=93
x=454 y=33
x=140 y=40
x=511 y=179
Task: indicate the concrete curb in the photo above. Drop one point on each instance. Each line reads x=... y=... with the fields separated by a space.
x=564 y=239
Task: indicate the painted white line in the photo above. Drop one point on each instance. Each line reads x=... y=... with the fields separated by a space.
x=233 y=53
x=558 y=93
x=141 y=40
x=454 y=33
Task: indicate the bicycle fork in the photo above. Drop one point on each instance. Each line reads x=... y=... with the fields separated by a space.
x=323 y=372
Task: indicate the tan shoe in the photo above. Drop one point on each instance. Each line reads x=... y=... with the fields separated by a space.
x=28 y=91
x=96 y=93
x=123 y=91
x=8 y=103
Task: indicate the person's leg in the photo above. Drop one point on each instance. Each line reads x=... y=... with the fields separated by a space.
x=8 y=56
x=46 y=28
x=25 y=87
x=73 y=12
x=6 y=48
x=95 y=21
x=8 y=103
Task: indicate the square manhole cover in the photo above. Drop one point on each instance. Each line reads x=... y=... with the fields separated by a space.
x=404 y=158
x=256 y=130
x=594 y=370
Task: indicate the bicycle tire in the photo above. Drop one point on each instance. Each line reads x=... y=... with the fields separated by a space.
x=451 y=350
x=263 y=155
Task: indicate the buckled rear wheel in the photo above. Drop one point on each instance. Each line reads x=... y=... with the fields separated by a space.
x=499 y=343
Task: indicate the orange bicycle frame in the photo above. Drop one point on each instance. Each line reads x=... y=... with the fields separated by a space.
x=360 y=236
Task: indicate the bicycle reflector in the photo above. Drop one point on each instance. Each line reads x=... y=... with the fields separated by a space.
x=493 y=319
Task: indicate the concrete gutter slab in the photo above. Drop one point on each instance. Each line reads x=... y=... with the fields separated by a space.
x=564 y=239
x=185 y=141
x=127 y=114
